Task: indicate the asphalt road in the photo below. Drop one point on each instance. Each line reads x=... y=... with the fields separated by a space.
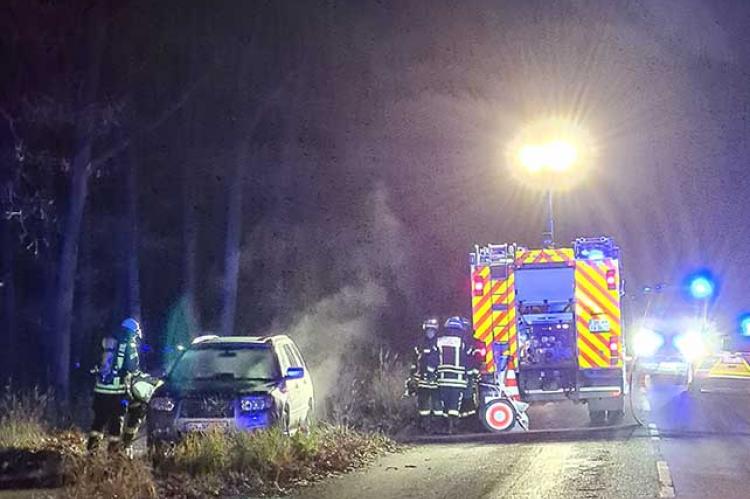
x=690 y=446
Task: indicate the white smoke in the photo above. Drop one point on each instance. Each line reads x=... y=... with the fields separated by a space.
x=332 y=329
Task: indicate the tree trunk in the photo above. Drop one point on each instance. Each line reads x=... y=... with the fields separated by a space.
x=189 y=201
x=8 y=293
x=132 y=274
x=190 y=250
x=79 y=184
x=65 y=290
x=233 y=241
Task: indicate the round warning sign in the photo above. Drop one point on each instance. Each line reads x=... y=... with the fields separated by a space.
x=498 y=416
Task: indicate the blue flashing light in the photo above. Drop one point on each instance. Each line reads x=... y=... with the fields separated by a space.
x=596 y=254
x=701 y=287
x=745 y=325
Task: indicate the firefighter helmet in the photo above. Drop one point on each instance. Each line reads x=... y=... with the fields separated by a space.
x=467 y=323
x=132 y=326
x=430 y=324
x=455 y=323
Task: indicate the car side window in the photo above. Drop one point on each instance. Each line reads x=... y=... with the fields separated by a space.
x=284 y=360
x=290 y=353
x=297 y=355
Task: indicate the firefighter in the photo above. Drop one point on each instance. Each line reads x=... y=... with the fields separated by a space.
x=424 y=373
x=475 y=351
x=452 y=368
x=118 y=363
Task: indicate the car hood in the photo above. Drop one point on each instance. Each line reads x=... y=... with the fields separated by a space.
x=214 y=387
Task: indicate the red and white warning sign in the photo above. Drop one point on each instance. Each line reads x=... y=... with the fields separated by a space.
x=498 y=415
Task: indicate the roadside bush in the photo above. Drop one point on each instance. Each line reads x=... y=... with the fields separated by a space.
x=264 y=461
x=108 y=476
x=372 y=399
x=22 y=418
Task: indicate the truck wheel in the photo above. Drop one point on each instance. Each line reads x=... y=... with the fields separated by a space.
x=498 y=416
x=597 y=417
x=615 y=417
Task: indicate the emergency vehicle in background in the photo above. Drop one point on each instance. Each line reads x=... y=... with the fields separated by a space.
x=550 y=320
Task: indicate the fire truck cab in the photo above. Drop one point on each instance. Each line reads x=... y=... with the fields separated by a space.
x=552 y=316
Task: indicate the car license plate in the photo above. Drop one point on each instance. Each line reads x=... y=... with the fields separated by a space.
x=198 y=426
x=599 y=325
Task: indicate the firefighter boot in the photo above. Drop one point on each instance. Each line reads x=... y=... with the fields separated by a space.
x=451 y=424
x=425 y=423
x=95 y=438
x=113 y=445
x=127 y=443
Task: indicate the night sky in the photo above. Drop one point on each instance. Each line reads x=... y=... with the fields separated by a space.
x=377 y=133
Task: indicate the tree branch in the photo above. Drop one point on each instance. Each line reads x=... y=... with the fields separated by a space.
x=11 y=124
x=167 y=113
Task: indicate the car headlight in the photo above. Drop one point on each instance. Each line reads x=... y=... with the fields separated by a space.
x=646 y=342
x=691 y=345
x=255 y=403
x=163 y=404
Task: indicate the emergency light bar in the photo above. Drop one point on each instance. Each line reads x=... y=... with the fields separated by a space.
x=595 y=248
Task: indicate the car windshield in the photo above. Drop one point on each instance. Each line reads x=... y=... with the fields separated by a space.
x=226 y=362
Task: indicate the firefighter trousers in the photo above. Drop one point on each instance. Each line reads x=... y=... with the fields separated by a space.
x=451 y=397
x=134 y=417
x=468 y=402
x=428 y=401
x=109 y=411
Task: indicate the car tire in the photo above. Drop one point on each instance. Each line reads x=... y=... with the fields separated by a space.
x=309 y=420
x=286 y=423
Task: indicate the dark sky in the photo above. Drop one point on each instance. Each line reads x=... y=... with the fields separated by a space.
x=660 y=85
x=380 y=154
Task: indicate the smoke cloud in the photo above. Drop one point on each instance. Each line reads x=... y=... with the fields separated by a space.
x=362 y=314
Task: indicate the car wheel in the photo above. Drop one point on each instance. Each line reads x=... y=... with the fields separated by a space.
x=309 y=420
x=286 y=424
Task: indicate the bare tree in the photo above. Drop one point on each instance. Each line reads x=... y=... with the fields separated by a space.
x=80 y=171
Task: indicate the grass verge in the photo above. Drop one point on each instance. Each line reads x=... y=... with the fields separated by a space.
x=265 y=461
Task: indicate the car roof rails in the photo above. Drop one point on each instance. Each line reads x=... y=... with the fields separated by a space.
x=204 y=338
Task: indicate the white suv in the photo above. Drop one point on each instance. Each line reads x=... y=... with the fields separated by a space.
x=233 y=383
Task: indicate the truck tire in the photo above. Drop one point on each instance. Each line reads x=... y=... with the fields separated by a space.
x=597 y=417
x=498 y=416
x=615 y=417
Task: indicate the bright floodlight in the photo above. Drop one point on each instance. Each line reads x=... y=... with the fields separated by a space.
x=557 y=156
x=691 y=345
x=647 y=342
x=551 y=154
x=701 y=288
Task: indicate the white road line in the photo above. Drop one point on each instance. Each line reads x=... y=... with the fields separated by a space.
x=653 y=431
x=666 y=486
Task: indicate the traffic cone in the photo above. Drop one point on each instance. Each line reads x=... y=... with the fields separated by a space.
x=511 y=383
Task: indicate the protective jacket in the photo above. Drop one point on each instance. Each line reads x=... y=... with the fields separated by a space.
x=119 y=359
x=453 y=359
x=425 y=363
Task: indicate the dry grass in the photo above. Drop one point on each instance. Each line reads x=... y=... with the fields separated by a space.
x=264 y=461
x=108 y=476
x=373 y=401
x=210 y=465
x=22 y=418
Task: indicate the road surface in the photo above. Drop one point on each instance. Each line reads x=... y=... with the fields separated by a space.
x=690 y=446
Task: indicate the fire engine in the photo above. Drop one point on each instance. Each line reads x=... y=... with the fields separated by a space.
x=551 y=324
